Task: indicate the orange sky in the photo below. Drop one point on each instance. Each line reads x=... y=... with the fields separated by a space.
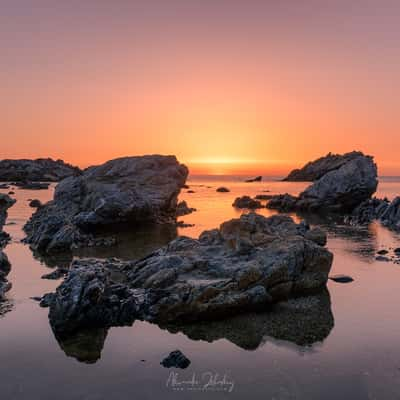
x=244 y=86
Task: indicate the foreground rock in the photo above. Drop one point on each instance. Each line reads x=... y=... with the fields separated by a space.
x=245 y=265
x=247 y=202
x=41 y=169
x=339 y=190
x=316 y=169
x=130 y=191
x=5 y=203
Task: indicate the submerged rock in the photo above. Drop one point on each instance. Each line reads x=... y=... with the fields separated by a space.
x=246 y=202
x=175 y=359
x=41 y=169
x=339 y=190
x=316 y=169
x=222 y=189
x=245 y=265
x=130 y=190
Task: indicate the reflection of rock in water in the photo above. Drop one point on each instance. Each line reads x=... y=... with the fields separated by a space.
x=363 y=239
x=85 y=346
x=303 y=321
x=130 y=244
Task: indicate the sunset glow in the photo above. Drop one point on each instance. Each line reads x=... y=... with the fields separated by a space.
x=226 y=83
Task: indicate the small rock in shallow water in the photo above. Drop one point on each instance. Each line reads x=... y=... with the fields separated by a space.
x=382 y=252
x=176 y=359
x=341 y=278
x=397 y=251
x=223 y=189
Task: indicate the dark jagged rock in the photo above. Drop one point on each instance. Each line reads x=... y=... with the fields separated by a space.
x=303 y=321
x=256 y=179
x=339 y=190
x=175 y=359
x=130 y=191
x=388 y=213
x=245 y=265
x=56 y=274
x=246 y=202
x=368 y=211
x=316 y=169
x=39 y=170
x=5 y=203
x=183 y=209
x=222 y=189
x=341 y=278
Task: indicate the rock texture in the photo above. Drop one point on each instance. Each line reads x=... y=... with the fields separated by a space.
x=245 y=265
x=316 y=169
x=339 y=190
x=130 y=190
x=175 y=359
x=41 y=169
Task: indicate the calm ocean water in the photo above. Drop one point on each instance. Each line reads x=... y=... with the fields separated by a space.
x=347 y=348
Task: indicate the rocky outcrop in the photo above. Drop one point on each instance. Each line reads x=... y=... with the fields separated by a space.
x=5 y=203
x=339 y=190
x=247 y=202
x=41 y=169
x=130 y=191
x=388 y=213
x=316 y=169
x=247 y=264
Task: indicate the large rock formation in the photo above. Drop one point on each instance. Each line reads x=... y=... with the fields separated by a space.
x=130 y=190
x=41 y=169
x=316 y=169
x=339 y=190
x=245 y=265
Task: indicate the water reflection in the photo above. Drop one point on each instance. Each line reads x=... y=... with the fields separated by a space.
x=85 y=346
x=131 y=244
x=303 y=322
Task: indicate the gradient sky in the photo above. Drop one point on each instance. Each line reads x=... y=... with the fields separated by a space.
x=244 y=85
